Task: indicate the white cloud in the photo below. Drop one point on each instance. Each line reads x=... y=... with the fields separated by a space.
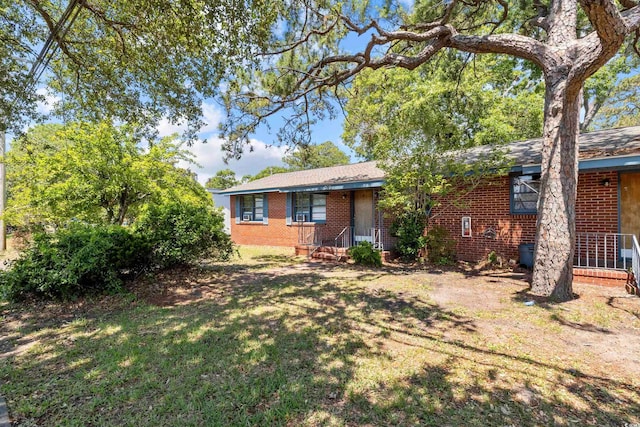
x=210 y=156
x=212 y=117
x=45 y=106
x=166 y=128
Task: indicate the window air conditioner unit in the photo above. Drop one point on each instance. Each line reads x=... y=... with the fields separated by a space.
x=247 y=217
x=301 y=217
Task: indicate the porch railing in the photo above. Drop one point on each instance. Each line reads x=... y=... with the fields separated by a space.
x=343 y=239
x=310 y=234
x=635 y=260
x=316 y=235
x=606 y=251
x=348 y=237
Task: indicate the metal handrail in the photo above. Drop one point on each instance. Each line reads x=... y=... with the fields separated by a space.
x=604 y=250
x=377 y=239
x=344 y=237
x=635 y=259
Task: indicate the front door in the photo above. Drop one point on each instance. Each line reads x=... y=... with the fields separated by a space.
x=363 y=215
x=629 y=207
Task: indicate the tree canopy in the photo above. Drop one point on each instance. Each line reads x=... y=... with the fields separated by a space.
x=416 y=125
x=223 y=179
x=95 y=174
x=136 y=61
x=268 y=171
x=315 y=156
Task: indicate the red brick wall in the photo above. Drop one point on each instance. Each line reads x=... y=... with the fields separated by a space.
x=489 y=208
x=277 y=232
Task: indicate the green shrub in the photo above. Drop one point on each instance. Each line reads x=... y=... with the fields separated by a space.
x=181 y=233
x=365 y=254
x=73 y=261
x=441 y=248
x=409 y=230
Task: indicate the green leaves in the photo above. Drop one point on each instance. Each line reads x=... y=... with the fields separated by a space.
x=95 y=173
x=316 y=156
x=222 y=180
x=365 y=254
x=417 y=124
x=135 y=61
x=73 y=261
x=81 y=259
x=182 y=233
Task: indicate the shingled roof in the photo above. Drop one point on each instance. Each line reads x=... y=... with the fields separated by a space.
x=610 y=143
x=328 y=178
x=599 y=144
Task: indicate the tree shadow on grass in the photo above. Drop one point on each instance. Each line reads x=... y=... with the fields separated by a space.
x=266 y=348
x=611 y=302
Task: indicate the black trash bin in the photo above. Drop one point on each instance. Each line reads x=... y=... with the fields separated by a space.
x=526 y=254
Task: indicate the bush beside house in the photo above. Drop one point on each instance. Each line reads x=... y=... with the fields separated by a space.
x=85 y=259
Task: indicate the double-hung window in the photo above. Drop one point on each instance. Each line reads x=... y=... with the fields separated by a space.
x=310 y=207
x=252 y=207
x=524 y=193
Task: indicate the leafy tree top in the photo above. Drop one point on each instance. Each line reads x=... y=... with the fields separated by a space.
x=95 y=173
x=310 y=66
x=316 y=156
x=136 y=60
x=222 y=180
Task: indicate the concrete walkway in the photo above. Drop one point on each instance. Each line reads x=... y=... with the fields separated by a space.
x=4 y=414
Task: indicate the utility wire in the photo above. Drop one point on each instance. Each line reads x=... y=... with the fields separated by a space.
x=48 y=50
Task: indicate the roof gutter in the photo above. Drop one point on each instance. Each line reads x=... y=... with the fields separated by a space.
x=311 y=188
x=602 y=163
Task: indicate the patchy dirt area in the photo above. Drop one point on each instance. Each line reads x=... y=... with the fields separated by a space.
x=378 y=334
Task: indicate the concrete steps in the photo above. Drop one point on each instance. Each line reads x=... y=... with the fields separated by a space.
x=330 y=253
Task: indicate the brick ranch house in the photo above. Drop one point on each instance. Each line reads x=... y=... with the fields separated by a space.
x=337 y=207
x=312 y=210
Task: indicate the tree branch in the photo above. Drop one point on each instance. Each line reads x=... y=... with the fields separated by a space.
x=632 y=18
x=611 y=28
x=606 y=20
x=511 y=44
x=51 y=26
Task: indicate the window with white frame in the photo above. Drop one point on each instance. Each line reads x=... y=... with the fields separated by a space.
x=310 y=207
x=252 y=207
x=525 y=190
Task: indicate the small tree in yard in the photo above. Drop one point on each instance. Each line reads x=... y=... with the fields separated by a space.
x=568 y=40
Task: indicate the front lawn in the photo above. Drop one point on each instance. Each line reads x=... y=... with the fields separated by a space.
x=271 y=340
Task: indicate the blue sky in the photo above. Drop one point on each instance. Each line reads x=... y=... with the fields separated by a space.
x=210 y=156
x=265 y=153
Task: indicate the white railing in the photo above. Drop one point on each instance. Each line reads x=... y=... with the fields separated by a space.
x=378 y=242
x=606 y=250
x=375 y=236
x=343 y=239
x=635 y=260
x=317 y=235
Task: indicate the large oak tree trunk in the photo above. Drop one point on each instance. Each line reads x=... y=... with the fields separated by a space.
x=555 y=233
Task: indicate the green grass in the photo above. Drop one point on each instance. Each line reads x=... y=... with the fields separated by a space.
x=255 y=343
